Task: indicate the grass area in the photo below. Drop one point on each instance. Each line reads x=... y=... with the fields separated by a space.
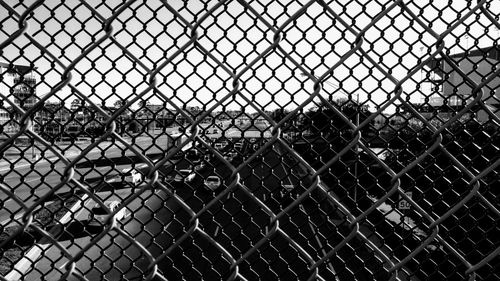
x=14 y=249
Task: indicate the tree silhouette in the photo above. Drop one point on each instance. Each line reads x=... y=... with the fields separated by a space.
x=119 y=103
x=325 y=121
x=278 y=114
x=76 y=104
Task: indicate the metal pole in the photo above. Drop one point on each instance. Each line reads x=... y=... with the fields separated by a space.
x=357 y=145
x=33 y=150
x=357 y=154
x=357 y=125
x=323 y=251
x=60 y=120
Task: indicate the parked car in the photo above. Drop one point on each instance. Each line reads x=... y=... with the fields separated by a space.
x=212 y=182
x=99 y=215
x=184 y=175
x=131 y=175
x=201 y=166
x=238 y=145
x=193 y=155
x=231 y=155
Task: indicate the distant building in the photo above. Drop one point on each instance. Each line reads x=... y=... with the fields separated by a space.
x=242 y=119
x=450 y=88
x=18 y=84
x=4 y=120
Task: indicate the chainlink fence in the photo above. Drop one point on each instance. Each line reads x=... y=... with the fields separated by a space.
x=249 y=140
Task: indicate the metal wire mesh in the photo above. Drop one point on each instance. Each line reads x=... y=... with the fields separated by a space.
x=249 y=140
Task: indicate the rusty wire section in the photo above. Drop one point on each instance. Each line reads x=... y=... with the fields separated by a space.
x=352 y=140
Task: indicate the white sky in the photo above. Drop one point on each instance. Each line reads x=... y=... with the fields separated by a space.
x=235 y=37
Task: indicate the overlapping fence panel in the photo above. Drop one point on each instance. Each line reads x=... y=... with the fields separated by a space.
x=249 y=140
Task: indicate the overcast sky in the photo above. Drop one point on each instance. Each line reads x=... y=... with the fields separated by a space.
x=235 y=37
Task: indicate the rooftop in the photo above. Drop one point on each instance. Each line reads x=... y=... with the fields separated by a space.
x=17 y=68
x=492 y=52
